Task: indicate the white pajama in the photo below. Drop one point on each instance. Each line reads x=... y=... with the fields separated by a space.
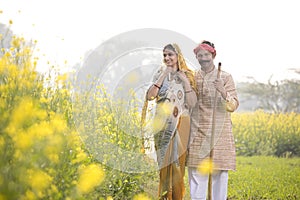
x=199 y=184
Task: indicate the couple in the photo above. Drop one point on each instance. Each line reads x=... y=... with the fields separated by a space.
x=193 y=125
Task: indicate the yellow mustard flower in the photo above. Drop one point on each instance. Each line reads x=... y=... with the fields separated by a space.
x=25 y=112
x=132 y=78
x=38 y=179
x=141 y=196
x=81 y=156
x=30 y=195
x=54 y=158
x=41 y=130
x=62 y=77
x=23 y=140
x=158 y=123
x=58 y=123
x=2 y=143
x=206 y=166
x=166 y=109
x=54 y=189
x=19 y=155
x=16 y=42
x=90 y=177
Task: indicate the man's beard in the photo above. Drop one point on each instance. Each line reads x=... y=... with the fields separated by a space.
x=205 y=63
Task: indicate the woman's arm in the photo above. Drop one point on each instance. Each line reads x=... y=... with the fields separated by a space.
x=153 y=90
x=190 y=94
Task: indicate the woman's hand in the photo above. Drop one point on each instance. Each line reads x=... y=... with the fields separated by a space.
x=168 y=70
x=185 y=80
x=190 y=95
x=153 y=90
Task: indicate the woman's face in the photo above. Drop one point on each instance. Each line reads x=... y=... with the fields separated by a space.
x=170 y=58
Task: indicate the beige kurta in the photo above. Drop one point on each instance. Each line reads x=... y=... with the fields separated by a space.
x=202 y=126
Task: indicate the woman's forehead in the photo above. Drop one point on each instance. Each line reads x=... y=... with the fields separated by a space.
x=167 y=50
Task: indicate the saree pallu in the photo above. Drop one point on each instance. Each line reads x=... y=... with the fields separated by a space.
x=171 y=149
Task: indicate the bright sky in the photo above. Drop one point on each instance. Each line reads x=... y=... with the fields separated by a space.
x=256 y=38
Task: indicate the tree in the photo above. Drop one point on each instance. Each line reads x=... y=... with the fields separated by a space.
x=279 y=96
x=5 y=37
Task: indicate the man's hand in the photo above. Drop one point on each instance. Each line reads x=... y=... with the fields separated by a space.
x=219 y=85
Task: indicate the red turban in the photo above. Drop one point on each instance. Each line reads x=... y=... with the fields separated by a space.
x=205 y=47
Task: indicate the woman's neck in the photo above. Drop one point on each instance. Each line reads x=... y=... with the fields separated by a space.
x=175 y=68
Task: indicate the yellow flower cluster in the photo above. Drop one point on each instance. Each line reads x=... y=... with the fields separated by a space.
x=42 y=155
x=262 y=133
x=37 y=145
x=141 y=196
x=206 y=166
x=90 y=177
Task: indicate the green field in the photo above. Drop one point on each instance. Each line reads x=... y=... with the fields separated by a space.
x=263 y=177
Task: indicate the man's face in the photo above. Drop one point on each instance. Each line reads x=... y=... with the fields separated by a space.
x=205 y=58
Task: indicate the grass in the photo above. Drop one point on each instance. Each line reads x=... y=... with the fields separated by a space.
x=262 y=177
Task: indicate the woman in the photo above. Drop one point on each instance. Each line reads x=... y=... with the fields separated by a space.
x=173 y=90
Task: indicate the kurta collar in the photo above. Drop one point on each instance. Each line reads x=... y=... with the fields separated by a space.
x=203 y=73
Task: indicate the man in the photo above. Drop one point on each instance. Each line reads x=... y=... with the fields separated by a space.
x=211 y=143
